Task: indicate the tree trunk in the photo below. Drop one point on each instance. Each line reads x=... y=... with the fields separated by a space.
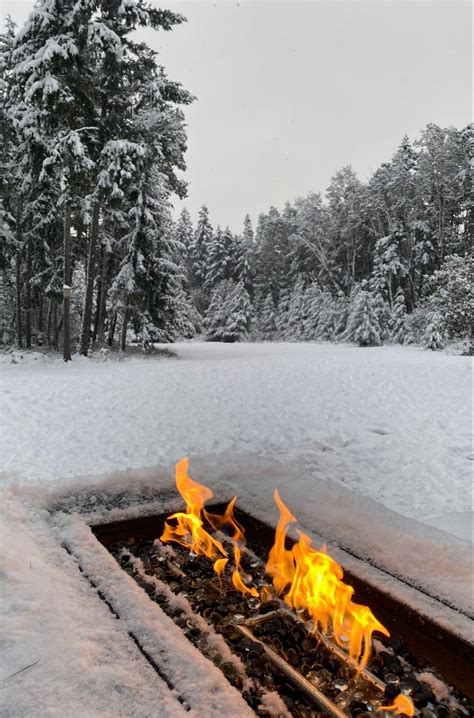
x=67 y=285
x=113 y=324
x=40 y=313
x=97 y=303
x=123 y=338
x=49 y=321
x=28 y=294
x=87 y=312
x=102 y=300
x=19 y=239
x=55 y=325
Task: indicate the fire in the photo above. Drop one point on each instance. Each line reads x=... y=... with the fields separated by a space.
x=190 y=531
x=308 y=580
x=311 y=581
x=402 y=705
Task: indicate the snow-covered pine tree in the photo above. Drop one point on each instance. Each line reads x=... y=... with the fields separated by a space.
x=341 y=312
x=266 y=322
x=453 y=296
x=183 y=233
x=216 y=314
x=239 y=314
x=327 y=318
x=398 y=321
x=137 y=110
x=433 y=336
x=390 y=262
x=229 y=316
x=200 y=248
x=10 y=249
x=48 y=107
x=362 y=326
x=292 y=324
x=218 y=261
x=313 y=300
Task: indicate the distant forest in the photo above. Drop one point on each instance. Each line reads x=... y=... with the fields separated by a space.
x=93 y=136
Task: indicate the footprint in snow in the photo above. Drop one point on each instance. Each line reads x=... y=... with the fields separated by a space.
x=381 y=432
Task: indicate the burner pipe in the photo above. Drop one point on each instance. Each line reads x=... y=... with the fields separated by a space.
x=303 y=685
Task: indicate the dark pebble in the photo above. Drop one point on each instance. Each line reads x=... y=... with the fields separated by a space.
x=357 y=707
x=391 y=691
x=395 y=644
x=420 y=699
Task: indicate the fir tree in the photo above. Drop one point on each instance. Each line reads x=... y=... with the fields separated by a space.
x=399 y=329
x=433 y=336
x=266 y=325
x=362 y=326
x=230 y=313
x=200 y=248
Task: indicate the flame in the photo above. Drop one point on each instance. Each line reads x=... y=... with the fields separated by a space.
x=308 y=580
x=237 y=578
x=311 y=581
x=402 y=705
x=190 y=531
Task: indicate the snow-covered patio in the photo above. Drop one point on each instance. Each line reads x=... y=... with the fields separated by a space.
x=363 y=445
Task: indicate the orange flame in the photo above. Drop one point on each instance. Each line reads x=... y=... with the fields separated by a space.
x=312 y=581
x=190 y=531
x=402 y=705
x=309 y=580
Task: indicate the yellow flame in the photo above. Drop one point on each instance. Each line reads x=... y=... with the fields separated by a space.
x=402 y=705
x=190 y=532
x=237 y=578
x=308 y=580
x=311 y=580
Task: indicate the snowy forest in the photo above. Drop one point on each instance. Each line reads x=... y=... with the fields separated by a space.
x=92 y=255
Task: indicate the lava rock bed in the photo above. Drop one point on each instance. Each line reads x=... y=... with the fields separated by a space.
x=202 y=605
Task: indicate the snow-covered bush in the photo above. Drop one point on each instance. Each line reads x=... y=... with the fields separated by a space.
x=453 y=295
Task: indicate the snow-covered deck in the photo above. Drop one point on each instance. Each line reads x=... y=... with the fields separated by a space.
x=361 y=443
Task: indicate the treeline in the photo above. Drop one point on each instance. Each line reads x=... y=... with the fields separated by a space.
x=385 y=260
x=92 y=135
x=92 y=138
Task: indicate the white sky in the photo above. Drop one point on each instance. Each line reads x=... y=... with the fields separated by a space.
x=289 y=92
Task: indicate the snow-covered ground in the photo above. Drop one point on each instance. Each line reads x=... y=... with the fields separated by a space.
x=362 y=443
x=390 y=423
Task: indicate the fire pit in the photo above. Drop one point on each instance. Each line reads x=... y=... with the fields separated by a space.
x=279 y=619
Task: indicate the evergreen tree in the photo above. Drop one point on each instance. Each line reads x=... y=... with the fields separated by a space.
x=453 y=296
x=230 y=313
x=292 y=324
x=266 y=325
x=432 y=338
x=399 y=328
x=200 y=248
x=239 y=315
x=363 y=326
x=220 y=259
x=390 y=263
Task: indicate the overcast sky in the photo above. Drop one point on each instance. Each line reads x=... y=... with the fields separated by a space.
x=289 y=92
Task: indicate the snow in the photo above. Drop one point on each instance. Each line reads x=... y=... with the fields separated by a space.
x=363 y=444
x=390 y=423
